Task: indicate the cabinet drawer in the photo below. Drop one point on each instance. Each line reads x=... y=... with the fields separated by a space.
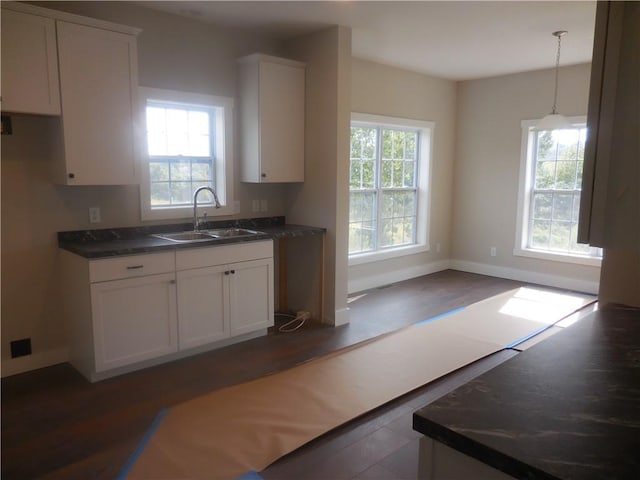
x=223 y=254
x=131 y=266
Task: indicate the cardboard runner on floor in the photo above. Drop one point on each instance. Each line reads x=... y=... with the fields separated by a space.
x=246 y=427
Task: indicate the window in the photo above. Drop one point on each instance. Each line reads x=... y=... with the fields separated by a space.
x=187 y=145
x=550 y=186
x=388 y=194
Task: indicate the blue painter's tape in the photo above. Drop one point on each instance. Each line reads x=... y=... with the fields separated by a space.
x=131 y=461
x=531 y=335
x=442 y=315
x=250 y=476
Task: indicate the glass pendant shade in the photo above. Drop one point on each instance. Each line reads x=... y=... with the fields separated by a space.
x=553 y=121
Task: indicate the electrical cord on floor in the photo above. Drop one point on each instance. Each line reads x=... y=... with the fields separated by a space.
x=300 y=317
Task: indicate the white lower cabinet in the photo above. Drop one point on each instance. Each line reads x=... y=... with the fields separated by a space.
x=250 y=296
x=203 y=310
x=224 y=291
x=133 y=320
x=130 y=312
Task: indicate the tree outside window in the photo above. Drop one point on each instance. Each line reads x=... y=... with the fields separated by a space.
x=383 y=190
x=553 y=164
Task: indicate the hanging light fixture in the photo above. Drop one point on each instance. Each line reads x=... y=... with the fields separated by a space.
x=554 y=120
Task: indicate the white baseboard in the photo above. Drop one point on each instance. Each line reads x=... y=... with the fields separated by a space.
x=569 y=283
x=387 y=278
x=342 y=317
x=17 y=365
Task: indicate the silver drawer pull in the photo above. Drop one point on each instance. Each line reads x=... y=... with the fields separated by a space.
x=135 y=267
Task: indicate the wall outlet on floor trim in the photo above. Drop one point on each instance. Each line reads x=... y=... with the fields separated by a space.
x=20 y=348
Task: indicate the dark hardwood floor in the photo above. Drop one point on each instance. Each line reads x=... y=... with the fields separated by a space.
x=55 y=424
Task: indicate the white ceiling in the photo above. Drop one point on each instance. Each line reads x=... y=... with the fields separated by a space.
x=449 y=39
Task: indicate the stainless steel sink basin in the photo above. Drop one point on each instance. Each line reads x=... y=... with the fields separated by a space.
x=231 y=232
x=204 y=235
x=185 y=236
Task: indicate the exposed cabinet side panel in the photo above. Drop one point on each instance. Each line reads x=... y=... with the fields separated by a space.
x=98 y=81
x=622 y=230
x=29 y=64
x=250 y=121
x=610 y=203
x=76 y=301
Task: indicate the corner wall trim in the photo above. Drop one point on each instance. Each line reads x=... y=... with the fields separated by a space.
x=569 y=283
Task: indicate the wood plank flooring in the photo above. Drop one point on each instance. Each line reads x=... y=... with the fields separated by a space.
x=56 y=425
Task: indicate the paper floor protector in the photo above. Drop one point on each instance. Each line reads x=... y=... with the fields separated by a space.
x=248 y=426
x=513 y=315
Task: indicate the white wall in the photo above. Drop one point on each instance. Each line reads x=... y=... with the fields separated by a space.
x=384 y=90
x=487 y=165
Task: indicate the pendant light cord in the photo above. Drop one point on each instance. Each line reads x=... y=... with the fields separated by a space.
x=558 y=34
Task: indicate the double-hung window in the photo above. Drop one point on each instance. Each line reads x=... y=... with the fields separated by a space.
x=187 y=145
x=550 y=187
x=388 y=191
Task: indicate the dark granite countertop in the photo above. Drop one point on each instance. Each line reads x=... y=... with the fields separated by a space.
x=567 y=408
x=134 y=240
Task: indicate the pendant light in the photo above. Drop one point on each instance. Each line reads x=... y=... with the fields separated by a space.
x=554 y=120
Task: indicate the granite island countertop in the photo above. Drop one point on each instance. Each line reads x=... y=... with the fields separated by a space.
x=113 y=242
x=567 y=408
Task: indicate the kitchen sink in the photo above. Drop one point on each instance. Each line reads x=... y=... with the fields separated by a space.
x=185 y=236
x=204 y=235
x=231 y=232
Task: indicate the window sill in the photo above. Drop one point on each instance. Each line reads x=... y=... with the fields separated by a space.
x=361 y=258
x=558 y=257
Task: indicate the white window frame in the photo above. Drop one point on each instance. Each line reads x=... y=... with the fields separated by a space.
x=425 y=151
x=223 y=155
x=524 y=201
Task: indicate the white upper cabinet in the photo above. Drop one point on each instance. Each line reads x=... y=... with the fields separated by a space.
x=272 y=93
x=29 y=64
x=85 y=70
x=98 y=81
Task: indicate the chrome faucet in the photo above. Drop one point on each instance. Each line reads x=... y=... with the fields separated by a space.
x=196 y=225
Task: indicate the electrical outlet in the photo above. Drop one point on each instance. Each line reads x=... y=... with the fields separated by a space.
x=20 y=348
x=493 y=251
x=255 y=205
x=94 y=215
x=264 y=205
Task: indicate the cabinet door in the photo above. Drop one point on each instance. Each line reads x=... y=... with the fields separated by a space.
x=29 y=64
x=281 y=123
x=202 y=306
x=133 y=320
x=97 y=82
x=251 y=296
